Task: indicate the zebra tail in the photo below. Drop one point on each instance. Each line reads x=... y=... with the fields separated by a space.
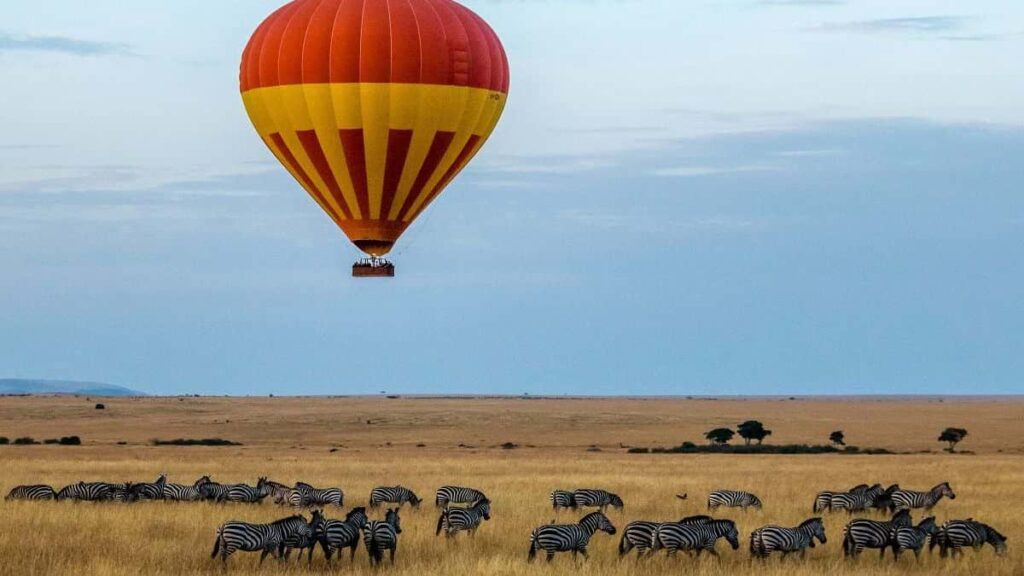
x=440 y=522
x=533 y=547
x=622 y=544
x=216 y=544
x=656 y=540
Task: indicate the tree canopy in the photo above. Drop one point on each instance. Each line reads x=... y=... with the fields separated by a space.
x=952 y=436
x=752 y=430
x=720 y=435
x=837 y=438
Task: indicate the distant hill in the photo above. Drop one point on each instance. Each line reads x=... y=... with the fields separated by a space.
x=24 y=386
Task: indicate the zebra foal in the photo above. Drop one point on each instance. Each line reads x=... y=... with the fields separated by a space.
x=455 y=520
x=733 y=499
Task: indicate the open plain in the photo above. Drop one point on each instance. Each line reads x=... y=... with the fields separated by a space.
x=357 y=443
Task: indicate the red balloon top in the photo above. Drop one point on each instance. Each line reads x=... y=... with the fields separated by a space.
x=379 y=41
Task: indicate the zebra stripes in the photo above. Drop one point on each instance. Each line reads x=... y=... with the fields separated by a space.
x=696 y=536
x=334 y=535
x=394 y=495
x=457 y=495
x=909 y=499
x=860 y=534
x=595 y=498
x=573 y=538
x=302 y=538
x=247 y=494
x=640 y=534
x=86 y=491
x=455 y=520
x=381 y=535
x=265 y=538
x=32 y=492
x=768 y=539
x=304 y=495
x=562 y=499
x=733 y=499
x=957 y=534
x=182 y=492
x=855 y=501
x=911 y=537
x=149 y=491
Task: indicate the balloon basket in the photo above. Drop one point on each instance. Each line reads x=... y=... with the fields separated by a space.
x=373 y=268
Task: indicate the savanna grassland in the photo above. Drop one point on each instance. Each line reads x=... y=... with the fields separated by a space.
x=375 y=441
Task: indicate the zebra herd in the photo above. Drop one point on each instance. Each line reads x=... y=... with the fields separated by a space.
x=464 y=509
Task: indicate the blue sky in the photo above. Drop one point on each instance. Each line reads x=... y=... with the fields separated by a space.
x=735 y=197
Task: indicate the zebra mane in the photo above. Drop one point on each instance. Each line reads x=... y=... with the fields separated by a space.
x=938 y=486
x=993 y=533
x=593 y=516
x=699 y=518
x=809 y=521
x=288 y=519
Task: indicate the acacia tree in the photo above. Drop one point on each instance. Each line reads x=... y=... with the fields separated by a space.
x=837 y=438
x=752 y=430
x=952 y=436
x=720 y=436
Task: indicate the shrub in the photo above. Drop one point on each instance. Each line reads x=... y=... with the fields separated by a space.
x=101 y=407
x=25 y=440
x=638 y=451
x=195 y=442
x=50 y=441
x=509 y=446
x=4 y=440
x=70 y=441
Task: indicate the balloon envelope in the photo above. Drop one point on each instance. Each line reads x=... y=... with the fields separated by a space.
x=374 y=106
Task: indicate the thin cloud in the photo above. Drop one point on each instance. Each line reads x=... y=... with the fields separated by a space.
x=913 y=24
x=698 y=171
x=802 y=2
x=62 y=45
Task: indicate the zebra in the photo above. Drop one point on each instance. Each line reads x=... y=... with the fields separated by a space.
x=573 y=538
x=266 y=538
x=381 y=535
x=32 y=492
x=768 y=539
x=855 y=501
x=457 y=495
x=909 y=499
x=823 y=500
x=454 y=520
x=122 y=493
x=278 y=492
x=912 y=537
x=393 y=494
x=593 y=498
x=883 y=502
x=182 y=492
x=306 y=495
x=337 y=534
x=150 y=491
x=733 y=499
x=85 y=491
x=248 y=494
x=861 y=533
x=210 y=490
x=640 y=534
x=562 y=499
x=956 y=534
x=699 y=536
x=302 y=538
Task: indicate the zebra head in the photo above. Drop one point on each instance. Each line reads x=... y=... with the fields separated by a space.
x=597 y=521
x=392 y=518
x=997 y=540
x=414 y=500
x=201 y=481
x=728 y=529
x=356 y=516
x=814 y=528
x=262 y=486
x=928 y=525
x=317 y=521
x=944 y=490
x=483 y=507
x=755 y=502
x=615 y=501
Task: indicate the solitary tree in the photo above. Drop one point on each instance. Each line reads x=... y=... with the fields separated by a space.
x=752 y=430
x=837 y=438
x=952 y=436
x=720 y=436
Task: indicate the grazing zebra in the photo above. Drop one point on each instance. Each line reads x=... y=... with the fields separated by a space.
x=860 y=534
x=337 y=534
x=855 y=501
x=32 y=492
x=182 y=492
x=394 y=495
x=600 y=499
x=909 y=499
x=265 y=538
x=912 y=537
x=150 y=491
x=573 y=538
x=247 y=494
x=122 y=493
x=381 y=535
x=699 y=536
x=733 y=499
x=957 y=534
x=86 y=491
x=768 y=539
x=457 y=495
x=562 y=499
x=640 y=534
x=306 y=495
x=455 y=520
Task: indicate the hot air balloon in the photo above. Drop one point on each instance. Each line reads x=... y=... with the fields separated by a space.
x=374 y=106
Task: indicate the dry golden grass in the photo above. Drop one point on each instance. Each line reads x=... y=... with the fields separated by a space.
x=170 y=538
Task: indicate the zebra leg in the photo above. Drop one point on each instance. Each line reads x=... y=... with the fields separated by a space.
x=392 y=553
x=583 y=552
x=551 y=555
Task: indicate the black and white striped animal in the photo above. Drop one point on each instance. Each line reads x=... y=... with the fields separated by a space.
x=768 y=539
x=455 y=520
x=306 y=495
x=640 y=534
x=381 y=535
x=334 y=535
x=595 y=498
x=149 y=490
x=733 y=499
x=278 y=492
x=958 y=534
x=855 y=501
x=562 y=499
x=883 y=502
x=86 y=491
x=302 y=538
x=393 y=495
x=247 y=494
x=912 y=537
x=861 y=533
x=909 y=499
x=446 y=495
x=698 y=536
x=265 y=538
x=32 y=492
x=123 y=493
x=182 y=492
x=210 y=490
x=553 y=538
